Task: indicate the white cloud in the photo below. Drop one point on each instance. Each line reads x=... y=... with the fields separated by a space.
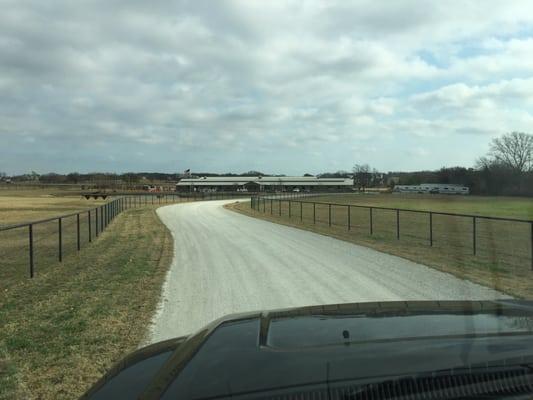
x=181 y=81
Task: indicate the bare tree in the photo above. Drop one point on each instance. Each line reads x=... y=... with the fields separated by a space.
x=361 y=175
x=514 y=150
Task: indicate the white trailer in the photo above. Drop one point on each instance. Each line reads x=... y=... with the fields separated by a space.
x=433 y=188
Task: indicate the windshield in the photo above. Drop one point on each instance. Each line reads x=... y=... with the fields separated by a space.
x=168 y=164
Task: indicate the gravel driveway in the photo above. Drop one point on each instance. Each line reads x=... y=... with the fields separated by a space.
x=226 y=262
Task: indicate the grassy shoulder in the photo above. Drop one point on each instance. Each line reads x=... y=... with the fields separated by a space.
x=483 y=268
x=62 y=330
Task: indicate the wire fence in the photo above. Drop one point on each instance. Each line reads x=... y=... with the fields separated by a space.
x=28 y=247
x=492 y=238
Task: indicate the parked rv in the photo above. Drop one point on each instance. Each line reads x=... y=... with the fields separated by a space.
x=433 y=188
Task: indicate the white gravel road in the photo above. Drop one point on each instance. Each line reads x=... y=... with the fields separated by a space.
x=226 y=262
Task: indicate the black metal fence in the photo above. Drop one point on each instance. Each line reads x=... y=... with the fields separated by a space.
x=52 y=239
x=493 y=236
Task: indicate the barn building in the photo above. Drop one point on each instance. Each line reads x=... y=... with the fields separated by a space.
x=263 y=184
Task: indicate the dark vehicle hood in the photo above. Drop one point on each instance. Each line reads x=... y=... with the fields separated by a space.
x=259 y=355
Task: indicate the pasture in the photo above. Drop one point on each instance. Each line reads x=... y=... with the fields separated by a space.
x=30 y=205
x=507 y=207
x=27 y=205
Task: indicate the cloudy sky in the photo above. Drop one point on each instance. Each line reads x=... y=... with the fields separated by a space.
x=279 y=86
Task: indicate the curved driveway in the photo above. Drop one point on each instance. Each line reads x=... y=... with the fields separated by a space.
x=225 y=262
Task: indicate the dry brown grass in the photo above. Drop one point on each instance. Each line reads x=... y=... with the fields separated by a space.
x=14 y=248
x=24 y=205
x=63 y=329
x=503 y=250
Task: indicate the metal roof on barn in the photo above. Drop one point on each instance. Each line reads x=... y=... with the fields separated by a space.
x=265 y=180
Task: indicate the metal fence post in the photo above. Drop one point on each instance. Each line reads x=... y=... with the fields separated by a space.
x=329 y=214
x=271 y=206
x=289 y=209
x=301 y=212
x=474 y=235
x=431 y=229
x=78 y=230
x=30 y=242
x=398 y=224
x=371 y=222
x=349 y=217
x=280 y=207
x=89 y=224
x=60 y=240
x=314 y=213
x=96 y=222
x=531 y=245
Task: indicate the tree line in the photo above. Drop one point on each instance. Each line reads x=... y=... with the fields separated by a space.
x=507 y=169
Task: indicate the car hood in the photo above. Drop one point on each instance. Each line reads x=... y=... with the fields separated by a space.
x=264 y=353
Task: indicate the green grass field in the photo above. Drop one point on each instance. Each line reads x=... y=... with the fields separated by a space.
x=63 y=329
x=503 y=249
x=507 y=207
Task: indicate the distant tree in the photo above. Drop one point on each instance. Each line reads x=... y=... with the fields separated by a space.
x=514 y=150
x=73 y=177
x=362 y=175
x=338 y=174
x=52 y=177
x=253 y=173
x=307 y=174
x=508 y=167
x=130 y=177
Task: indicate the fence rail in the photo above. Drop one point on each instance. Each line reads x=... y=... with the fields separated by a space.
x=515 y=233
x=66 y=233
